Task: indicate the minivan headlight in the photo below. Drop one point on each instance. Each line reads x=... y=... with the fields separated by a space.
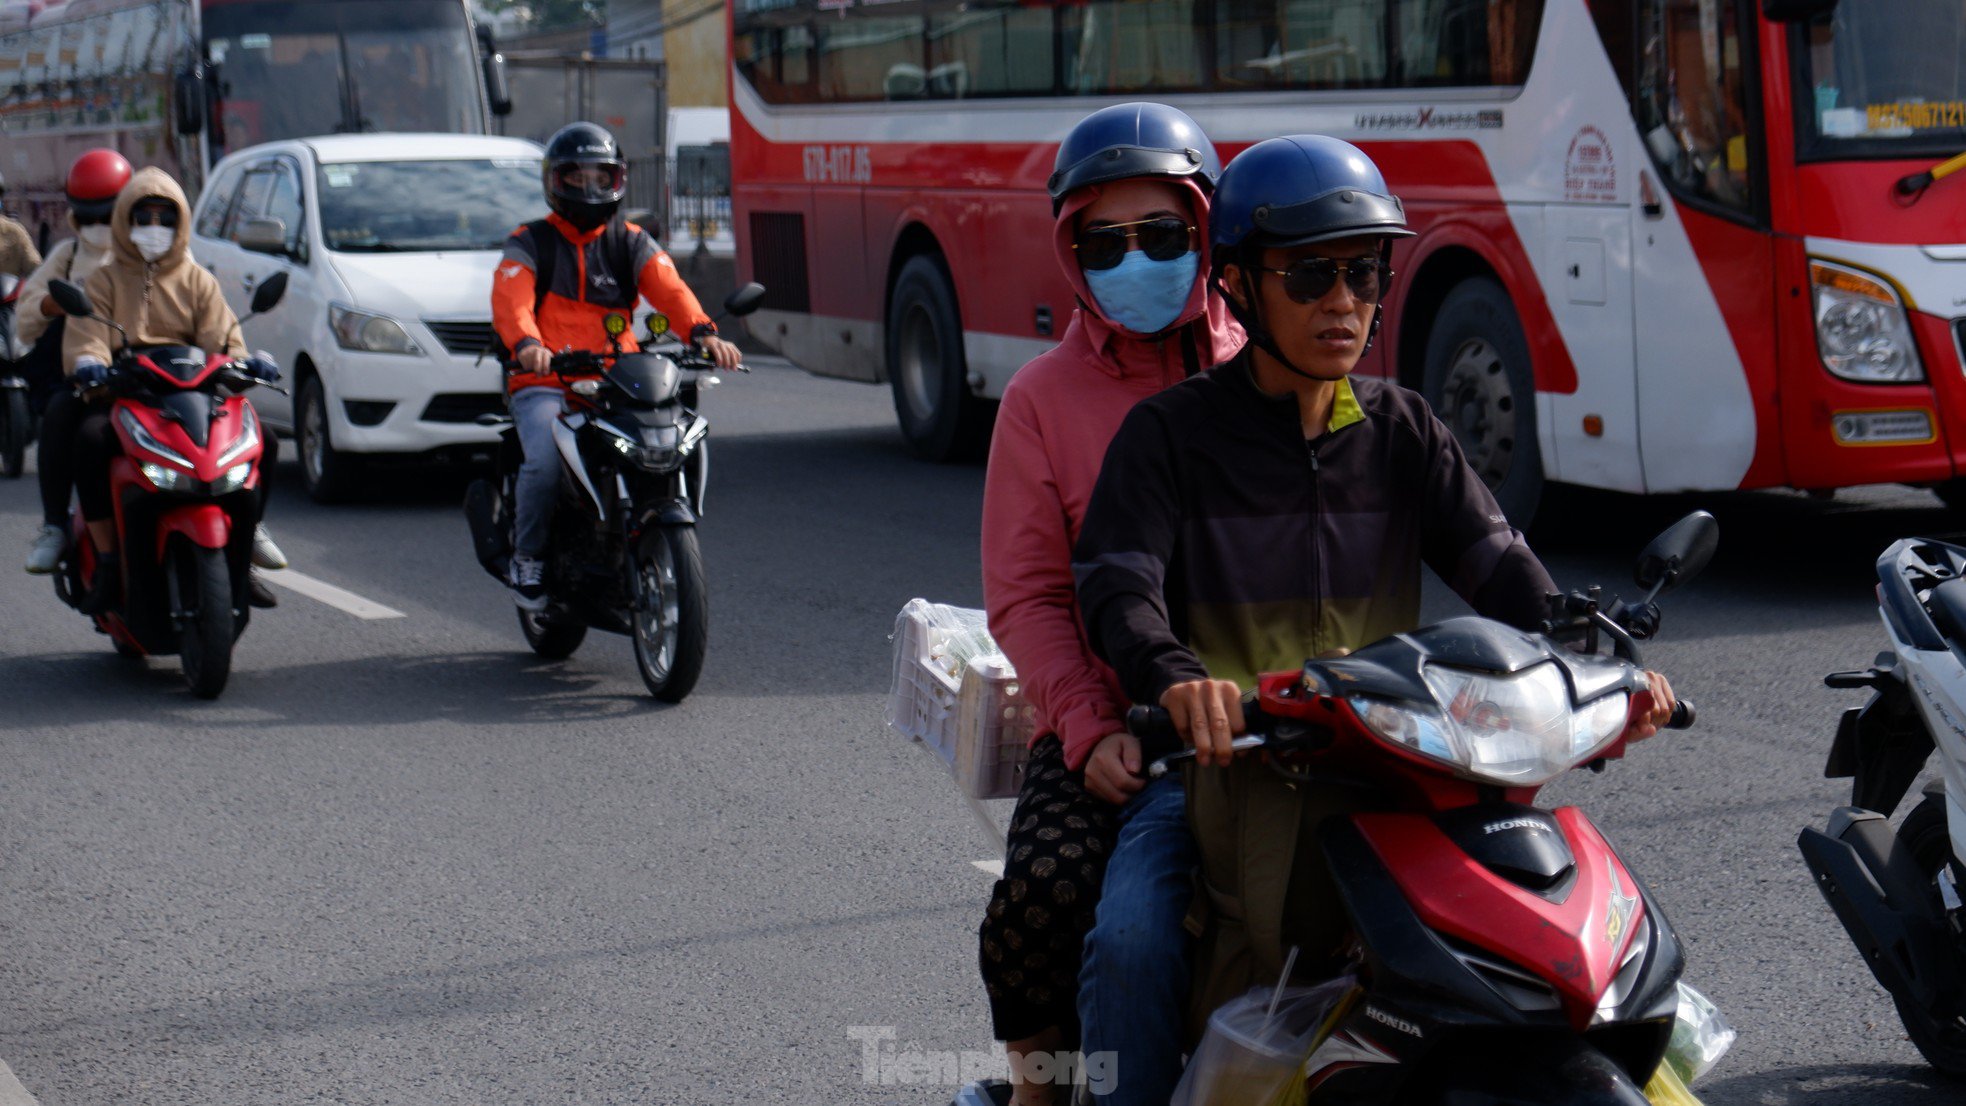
x=359 y=330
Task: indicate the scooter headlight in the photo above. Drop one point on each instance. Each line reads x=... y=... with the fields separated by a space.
x=165 y=477
x=1517 y=730
x=232 y=479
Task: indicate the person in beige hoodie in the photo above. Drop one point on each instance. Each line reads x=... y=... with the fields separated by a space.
x=159 y=295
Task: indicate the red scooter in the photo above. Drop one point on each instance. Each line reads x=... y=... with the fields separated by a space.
x=1504 y=953
x=186 y=496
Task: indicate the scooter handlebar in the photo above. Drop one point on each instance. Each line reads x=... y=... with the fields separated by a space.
x=1683 y=716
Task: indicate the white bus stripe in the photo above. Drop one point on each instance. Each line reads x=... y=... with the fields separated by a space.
x=323 y=592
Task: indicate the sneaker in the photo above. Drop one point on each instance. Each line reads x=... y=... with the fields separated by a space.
x=258 y=594
x=527 y=579
x=265 y=553
x=46 y=553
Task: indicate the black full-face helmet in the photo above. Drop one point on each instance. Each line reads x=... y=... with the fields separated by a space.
x=583 y=175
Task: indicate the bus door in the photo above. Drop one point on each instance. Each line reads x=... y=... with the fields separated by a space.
x=1587 y=246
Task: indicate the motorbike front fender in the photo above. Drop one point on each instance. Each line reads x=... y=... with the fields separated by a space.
x=204 y=524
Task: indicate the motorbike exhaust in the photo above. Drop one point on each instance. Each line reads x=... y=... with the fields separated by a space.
x=488 y=538
x=1879 y=894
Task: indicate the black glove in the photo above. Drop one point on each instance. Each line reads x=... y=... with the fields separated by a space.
x=261 y=367
x=90 y=376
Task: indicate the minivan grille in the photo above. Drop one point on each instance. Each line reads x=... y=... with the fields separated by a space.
x=464 y=338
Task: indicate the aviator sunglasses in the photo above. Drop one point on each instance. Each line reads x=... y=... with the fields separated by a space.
x=1313 y=278
x=1161 y=239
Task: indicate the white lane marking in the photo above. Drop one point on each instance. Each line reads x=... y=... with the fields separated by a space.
x=994 y=867
x=11 y=1092
x=323 y=592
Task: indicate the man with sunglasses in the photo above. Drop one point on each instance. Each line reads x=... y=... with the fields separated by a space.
x=1272 y=510
x=560 y=278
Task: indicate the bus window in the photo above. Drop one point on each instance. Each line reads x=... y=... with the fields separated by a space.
x=1692 y=99
x=871 y=57
x=991 y=51
x=1317 y=44
x=1128 y=46
x=1885 y=77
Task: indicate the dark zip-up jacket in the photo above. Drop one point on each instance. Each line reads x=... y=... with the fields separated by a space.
x=1219 y=542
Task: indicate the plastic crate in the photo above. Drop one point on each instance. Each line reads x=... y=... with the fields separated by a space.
x=953 y=692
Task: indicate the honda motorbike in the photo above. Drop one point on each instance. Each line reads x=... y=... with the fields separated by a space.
x=186 y=496
x=623 y=554
x=16 y=414
x=1897 y=893
x=1503 y=953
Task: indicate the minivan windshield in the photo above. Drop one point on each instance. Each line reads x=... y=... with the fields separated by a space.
x=290 y=70
x=1885 y=78
x=426 y=206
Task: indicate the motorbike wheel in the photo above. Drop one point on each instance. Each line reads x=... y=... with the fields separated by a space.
x=16 y=426
x=201 y=603
x=672 y=611
x=1941 y=1041
x=550 y=639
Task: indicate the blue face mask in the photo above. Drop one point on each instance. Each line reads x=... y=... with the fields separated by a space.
x=1143 y=295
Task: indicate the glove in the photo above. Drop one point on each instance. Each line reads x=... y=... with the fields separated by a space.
x=261 y=367
x=89 y=375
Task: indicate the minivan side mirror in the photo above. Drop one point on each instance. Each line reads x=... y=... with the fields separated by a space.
x=264 y=236
x=1677 y=555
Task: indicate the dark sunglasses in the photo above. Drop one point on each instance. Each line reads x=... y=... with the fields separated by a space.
x=1162 y=239
x=153 y=216
x=1313 y=278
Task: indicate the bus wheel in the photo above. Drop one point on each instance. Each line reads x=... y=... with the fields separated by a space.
x=1478 y=381
x=939 y=416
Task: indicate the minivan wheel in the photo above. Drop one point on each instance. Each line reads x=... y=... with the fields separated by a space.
x=330 y=475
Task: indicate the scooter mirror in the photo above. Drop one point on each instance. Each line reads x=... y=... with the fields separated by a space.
x=745 y=300
x=1679 y=554
x=71 y=300
x=269 y=292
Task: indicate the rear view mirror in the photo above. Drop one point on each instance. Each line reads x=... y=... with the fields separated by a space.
x=498 y=92
x=71 y=300
x=1679 y=554
x=745 y=300
x=263 y=236
x=269 y=292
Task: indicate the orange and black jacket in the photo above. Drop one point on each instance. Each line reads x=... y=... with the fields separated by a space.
x=585 y=290
x=1220 y=542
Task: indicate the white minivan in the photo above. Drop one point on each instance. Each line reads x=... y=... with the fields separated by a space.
x=389 y=242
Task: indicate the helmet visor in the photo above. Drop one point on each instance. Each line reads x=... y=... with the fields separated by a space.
x=591 y=182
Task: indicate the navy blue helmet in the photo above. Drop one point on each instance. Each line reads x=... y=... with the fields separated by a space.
x=1299 y=189
x=1132 y=140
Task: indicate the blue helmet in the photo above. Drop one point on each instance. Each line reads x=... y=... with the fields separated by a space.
x=1132 y=140
x=1299 y=189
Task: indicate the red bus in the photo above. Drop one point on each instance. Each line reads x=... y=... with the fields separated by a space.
x=181 y=83
x=1664 y=245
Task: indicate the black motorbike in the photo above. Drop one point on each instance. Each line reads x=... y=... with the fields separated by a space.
x=623 y=553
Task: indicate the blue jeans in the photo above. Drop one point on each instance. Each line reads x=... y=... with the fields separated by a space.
x=1133 y=990
x=533 y=412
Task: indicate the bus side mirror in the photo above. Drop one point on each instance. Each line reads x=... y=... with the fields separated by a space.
x=188 y=99
x=498 y=90
x=1796 y=11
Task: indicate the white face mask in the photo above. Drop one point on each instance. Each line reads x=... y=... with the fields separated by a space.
x=98 y=236
x=153 y=242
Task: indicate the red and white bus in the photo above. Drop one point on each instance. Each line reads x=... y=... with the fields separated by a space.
x=1664 y=245
x=181 y=83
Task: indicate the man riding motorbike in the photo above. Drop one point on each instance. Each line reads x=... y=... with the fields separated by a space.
x=153 y=289
x=17 y=253
x=1268 y=511
x=94 y=181
x=561 y=276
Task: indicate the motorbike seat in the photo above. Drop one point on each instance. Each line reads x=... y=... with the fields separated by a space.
x=1947 y=607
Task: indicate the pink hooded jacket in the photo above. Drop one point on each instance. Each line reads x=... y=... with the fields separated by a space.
x=1057 y=416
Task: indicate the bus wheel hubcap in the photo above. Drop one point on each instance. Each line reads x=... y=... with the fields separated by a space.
x=1479 y=406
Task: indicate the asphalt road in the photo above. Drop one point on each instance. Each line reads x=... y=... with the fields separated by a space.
x=402 y=861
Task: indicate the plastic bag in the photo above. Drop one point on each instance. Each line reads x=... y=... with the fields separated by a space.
x=1666 y=1089
x=1254 y=1049
x=1700 y=1036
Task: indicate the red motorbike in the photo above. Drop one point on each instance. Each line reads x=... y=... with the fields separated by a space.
x=1504 y=953
x=186 y=496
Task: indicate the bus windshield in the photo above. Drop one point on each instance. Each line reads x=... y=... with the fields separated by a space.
x=290 y=70
x=414 y=206
x=1885 y=78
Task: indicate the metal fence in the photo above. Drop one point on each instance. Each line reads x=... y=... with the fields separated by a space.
x=688 y=196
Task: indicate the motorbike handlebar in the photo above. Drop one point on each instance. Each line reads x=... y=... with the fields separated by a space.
x=1683 y=716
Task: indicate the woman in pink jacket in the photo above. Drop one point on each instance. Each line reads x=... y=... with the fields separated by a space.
x=1131 y=194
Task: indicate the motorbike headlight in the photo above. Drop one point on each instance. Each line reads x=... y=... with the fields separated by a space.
x=1516 y=730
x=248 y=437
x=232 y=479
x=1861 y=327
x=660 y=437
x=165 y=477
x=360 y=330
x=624 y=446
x=148 y=442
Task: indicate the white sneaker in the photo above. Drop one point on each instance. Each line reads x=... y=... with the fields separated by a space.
x=46 y=553
x=265 y=553
x=527 y=578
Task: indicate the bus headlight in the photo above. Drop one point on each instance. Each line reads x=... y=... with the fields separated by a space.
x=1861 y=327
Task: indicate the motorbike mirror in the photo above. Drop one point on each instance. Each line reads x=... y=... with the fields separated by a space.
x=1679 y=554
x=71 y=300
x=745 y=300
x=269 y=292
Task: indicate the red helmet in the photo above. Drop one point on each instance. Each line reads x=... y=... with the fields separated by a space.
x=93 y=183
